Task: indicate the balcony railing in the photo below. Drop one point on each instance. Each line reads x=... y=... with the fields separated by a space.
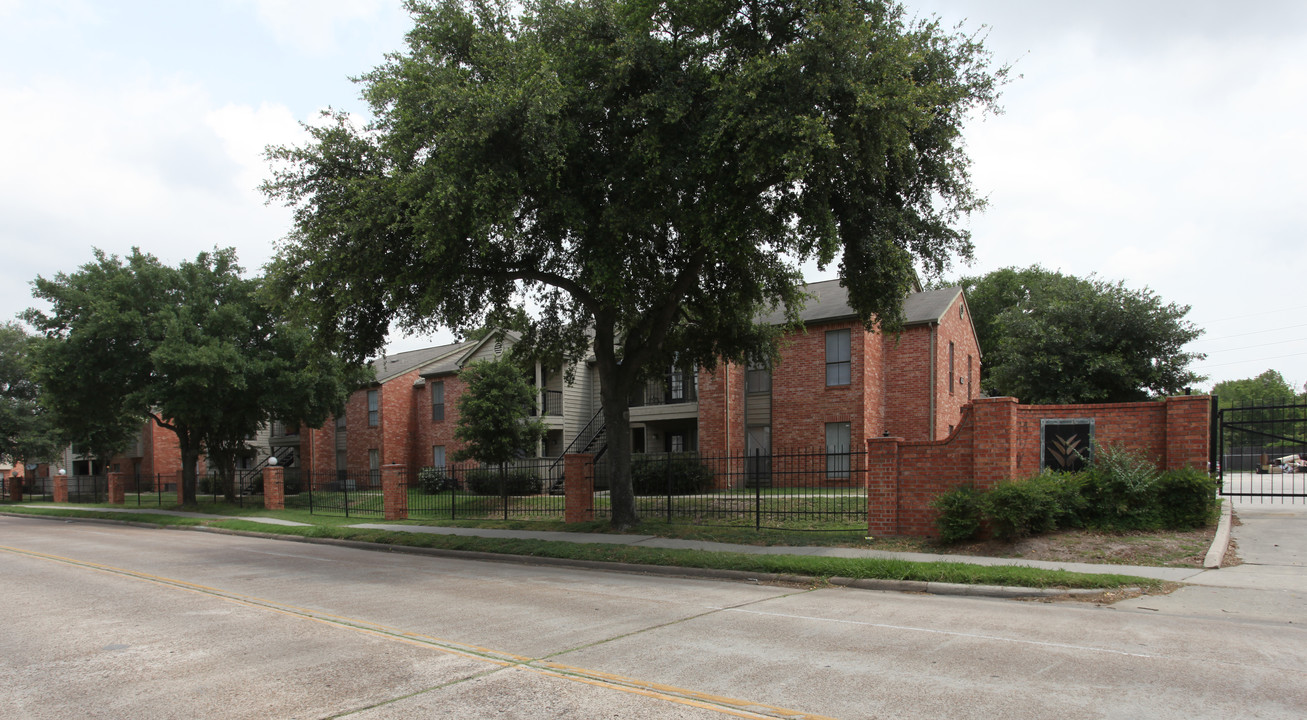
x=669 y=390
x=551 y=403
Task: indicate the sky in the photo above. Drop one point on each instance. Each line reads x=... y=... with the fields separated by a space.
x=1159 y=143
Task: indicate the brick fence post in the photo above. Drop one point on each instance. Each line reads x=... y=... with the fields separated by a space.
x=1188 y=431
x=394 y=492
x=274 y=488
x=15 y=487
x=994 y=455
x=61 y=488
x=117 y=489
x=578 y=488
x=883 y=485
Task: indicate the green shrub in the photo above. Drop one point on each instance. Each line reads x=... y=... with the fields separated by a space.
x=209 y=485
x=670 y=475
x=959 y=514
x=1022 y=508
x=486 y=481
x=432 y=480
x=1120 y=490
x=1186 y=499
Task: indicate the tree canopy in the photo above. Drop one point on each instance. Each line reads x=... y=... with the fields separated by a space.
x=646 y=176
x=194 y=348
x=26 y=432
x=1046 y=337
x=1269 y=388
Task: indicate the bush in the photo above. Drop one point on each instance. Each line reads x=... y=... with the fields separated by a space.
x=435 y=480
x=670 y=475
x=1023 y=508
x=959 y=514
x=209 y=485
x=1185 y=499
x=486 y=481
x=1119 y=490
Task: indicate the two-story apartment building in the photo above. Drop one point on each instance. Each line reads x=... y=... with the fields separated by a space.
x=835 y=384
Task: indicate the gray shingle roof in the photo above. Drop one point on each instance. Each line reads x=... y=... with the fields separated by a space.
x=395 y=365
x=830 y=302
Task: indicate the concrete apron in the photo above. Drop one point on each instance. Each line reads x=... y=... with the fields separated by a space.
x=1272 y=542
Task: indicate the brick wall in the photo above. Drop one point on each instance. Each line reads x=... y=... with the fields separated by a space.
x=721 y=411
x=802 y=403
x=997 y=439
x=430 y=433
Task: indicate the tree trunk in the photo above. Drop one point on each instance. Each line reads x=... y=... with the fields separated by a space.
x=190 y=458
x=615 y=395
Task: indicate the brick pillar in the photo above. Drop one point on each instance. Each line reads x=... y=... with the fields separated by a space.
x=994 y=455
x=117 y=489
x=274 y=487
x=579 y=488
x=394 y=492
x=1188 y=431
x=883 y=486
x=61 y=488
x=15 y=488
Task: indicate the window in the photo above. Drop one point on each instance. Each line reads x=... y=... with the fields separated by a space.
x=341 y=461
x=757 y=379
x=837 y=450
x=374 y=465
x=340 y=422
x=950 y=367
x=438 y=456
x=438 y=400
x=838 y=358
x=374 y=410
x=969 y=377
x=676 y=443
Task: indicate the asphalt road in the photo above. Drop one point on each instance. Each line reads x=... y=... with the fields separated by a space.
x=105 y=621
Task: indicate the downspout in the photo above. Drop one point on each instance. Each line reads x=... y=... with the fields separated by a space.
x=934 y=379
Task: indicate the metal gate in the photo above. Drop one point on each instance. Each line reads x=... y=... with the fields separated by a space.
x=1261 y=451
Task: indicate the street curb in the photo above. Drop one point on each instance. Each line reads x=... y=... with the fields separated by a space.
x=906 y=586
x=1221 y=541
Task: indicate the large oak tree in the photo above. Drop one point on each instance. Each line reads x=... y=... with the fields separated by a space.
x=646 y=175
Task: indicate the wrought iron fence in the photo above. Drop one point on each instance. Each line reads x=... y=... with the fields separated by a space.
x=519 y=490
x=814 y=490
x=88 y=488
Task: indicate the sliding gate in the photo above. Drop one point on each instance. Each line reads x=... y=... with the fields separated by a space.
x=1261 y=451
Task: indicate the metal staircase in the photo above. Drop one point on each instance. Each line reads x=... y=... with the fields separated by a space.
x=593 y=438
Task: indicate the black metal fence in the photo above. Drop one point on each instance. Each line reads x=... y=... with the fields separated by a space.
x=519 y=490
x=813 y=490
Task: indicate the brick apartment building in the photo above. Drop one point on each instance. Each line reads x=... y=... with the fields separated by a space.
x=835 y=385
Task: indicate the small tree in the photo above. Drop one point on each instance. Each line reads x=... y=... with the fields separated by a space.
x=494 y=412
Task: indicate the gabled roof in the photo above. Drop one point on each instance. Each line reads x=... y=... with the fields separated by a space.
x=392 y=366
x=452 y=362
x=829 y=301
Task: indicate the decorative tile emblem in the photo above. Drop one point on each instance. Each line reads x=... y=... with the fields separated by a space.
x=1067 y=445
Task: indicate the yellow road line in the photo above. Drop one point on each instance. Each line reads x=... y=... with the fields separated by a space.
x=669 y=693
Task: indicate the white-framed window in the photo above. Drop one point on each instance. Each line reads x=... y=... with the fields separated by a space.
x=839 y=357
x=374 y=409
x=437 y=456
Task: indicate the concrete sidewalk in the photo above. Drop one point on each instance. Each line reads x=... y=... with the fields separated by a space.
x=1272 y=542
